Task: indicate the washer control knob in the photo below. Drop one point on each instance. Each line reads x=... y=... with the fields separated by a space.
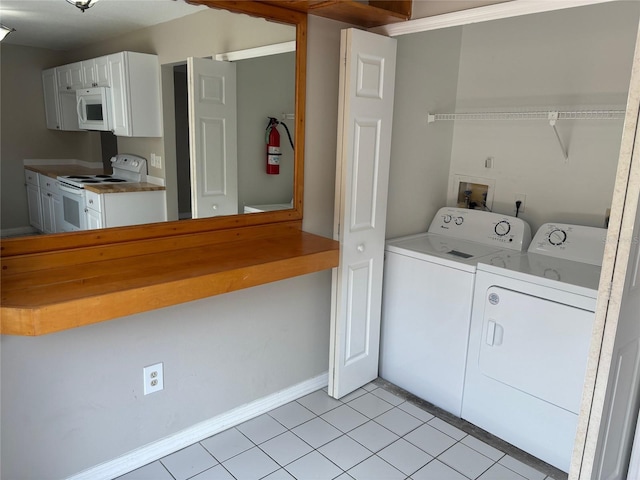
x=447 y=218
x=502 y=228
x=557 y=237
x=459 y=220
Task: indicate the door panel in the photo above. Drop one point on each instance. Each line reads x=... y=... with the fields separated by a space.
x=367 y=79
x=212 y=137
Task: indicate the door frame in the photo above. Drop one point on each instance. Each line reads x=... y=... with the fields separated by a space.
x=623 y=207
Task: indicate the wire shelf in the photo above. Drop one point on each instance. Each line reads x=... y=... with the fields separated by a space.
x=552 y=116
x=540 y=115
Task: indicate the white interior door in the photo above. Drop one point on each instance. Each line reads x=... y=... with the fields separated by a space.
x=212 y=137
x=367 y=78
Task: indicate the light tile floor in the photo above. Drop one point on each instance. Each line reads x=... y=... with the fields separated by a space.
x=375 y=433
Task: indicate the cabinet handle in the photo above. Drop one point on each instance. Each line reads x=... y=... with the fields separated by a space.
x=90 y=202
x=68 y=88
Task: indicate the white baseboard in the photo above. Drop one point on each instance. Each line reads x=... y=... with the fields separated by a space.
x=152 y=452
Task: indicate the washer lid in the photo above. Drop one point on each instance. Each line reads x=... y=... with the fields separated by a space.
x=448 y=251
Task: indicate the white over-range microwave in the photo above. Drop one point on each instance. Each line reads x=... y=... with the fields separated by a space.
x=94 y=108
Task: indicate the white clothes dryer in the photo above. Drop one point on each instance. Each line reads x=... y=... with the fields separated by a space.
x=427 y=294
x=531 y=327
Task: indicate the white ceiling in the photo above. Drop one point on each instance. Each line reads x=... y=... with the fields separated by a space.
x=59 y=25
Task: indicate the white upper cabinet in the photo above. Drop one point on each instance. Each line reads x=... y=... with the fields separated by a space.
x=135 y=94
x=133 y=82
x=96 y=72
x=70 y=77
x=51 y=103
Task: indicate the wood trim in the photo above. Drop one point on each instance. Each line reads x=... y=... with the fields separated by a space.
x=54 y=291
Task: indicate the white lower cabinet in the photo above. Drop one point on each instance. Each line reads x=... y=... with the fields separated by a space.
x=93 y=210
x=51 y=202
x=125 y=208
x=33 y=198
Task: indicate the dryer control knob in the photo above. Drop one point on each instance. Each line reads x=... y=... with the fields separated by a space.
x=459 y=220
x=557 y=237
x=502 y=228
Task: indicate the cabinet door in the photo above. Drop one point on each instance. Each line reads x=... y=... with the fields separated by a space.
x=57 y=213
x=119 y=98
x=70 y=77
x=35 y=207
x=102 y=75
x=89 y=74
x=95 y=72
x=94 y=219
x=51 y=105
x=47 y=211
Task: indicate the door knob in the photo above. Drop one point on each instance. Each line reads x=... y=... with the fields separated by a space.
x=360 y=247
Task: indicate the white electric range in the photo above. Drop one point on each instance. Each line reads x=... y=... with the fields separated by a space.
x=127 y=168
x=84 y=210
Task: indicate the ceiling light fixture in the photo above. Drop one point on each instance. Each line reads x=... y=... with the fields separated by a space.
x=4 y=31
x=83 y=4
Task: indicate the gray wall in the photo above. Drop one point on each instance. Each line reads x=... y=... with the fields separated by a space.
x=569 y=59
x=426 y=81
x=74 y=399
x=23 y=131
x=266 y=88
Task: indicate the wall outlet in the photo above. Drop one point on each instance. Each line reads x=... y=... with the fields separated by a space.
x=153 y=378
x=519 y=197
x=156 y=160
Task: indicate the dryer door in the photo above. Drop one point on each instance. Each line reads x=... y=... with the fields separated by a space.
x=535 y=345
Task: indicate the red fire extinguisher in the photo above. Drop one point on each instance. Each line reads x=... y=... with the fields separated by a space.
x=273 y=147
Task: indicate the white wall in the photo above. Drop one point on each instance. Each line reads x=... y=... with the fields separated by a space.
x=570 y=59
x=73 y=399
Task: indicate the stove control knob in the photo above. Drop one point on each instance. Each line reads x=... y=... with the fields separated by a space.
x=447 y=218
x=459 y=220
x=502 y=228
x=557 y=237
x=134 y=163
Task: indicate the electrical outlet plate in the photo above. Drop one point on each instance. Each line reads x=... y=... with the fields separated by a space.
x=153 y=377
x=156 y=161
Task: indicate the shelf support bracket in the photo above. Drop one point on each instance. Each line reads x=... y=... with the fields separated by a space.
x=553 y=118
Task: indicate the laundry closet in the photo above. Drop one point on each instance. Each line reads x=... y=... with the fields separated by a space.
x=567 y=60
x=523 y=117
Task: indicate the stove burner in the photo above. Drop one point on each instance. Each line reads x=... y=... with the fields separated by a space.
x=102 y=176
x=113 y=180
x=78 y=177
x=90 y=181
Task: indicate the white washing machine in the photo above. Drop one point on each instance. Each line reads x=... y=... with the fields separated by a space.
x=426 y=299
x=531 y=326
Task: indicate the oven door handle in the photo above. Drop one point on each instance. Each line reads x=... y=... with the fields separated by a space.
x=73 y=191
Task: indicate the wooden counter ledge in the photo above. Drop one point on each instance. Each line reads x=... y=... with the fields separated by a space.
x=49 y=292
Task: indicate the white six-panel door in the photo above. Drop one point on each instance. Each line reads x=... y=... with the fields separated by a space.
x=212 y=137
x=367 y=78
